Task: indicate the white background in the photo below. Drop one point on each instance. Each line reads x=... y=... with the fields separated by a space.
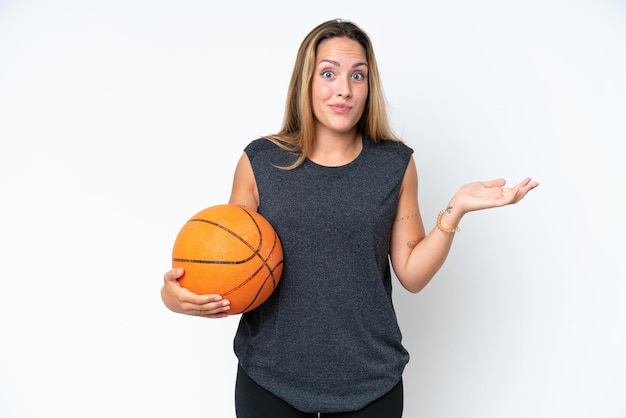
x=121 y=119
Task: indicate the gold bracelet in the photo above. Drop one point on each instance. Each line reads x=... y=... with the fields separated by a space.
x=443 y=228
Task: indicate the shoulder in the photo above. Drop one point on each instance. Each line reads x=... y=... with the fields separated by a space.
x=257 y=145
x=267 y=144
x=269 y=151
x=390 y=149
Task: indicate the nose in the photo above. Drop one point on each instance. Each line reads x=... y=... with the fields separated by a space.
x=344 y=89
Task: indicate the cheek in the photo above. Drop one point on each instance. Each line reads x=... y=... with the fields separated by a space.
x=317 y=98
x=320 y=90
x=362 y=95
x=363 y=91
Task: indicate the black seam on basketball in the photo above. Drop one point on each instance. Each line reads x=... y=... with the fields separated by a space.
x=253 y=275
x=270 y=274
x=185 y=260
x=255 y=252
x=261 y=287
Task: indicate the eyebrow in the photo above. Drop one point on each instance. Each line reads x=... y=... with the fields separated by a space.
x=335 y=63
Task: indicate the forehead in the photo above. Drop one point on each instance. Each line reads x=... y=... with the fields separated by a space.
x=337 y=48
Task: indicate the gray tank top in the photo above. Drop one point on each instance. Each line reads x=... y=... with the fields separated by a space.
x=327 y=340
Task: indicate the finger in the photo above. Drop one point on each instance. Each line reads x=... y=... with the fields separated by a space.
x=526 y=184
x=212 y=310
x=174 y=274
x=523 y=182
x=532 y=185
x=217 y=316
x=205 y=314
x=494 y=183
x=524 y=190
x=205 y=302
x=519 y=187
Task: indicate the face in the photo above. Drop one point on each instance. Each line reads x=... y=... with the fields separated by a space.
x=339 y=88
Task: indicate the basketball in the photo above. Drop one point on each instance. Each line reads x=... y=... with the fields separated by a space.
x=231 y=251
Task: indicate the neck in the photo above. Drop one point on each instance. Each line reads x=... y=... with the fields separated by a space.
x=336 y=149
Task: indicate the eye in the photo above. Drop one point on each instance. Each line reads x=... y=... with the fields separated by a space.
x=358 y=76
x=327 y=74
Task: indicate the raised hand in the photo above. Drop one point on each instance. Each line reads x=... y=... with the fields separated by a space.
x=490 y=194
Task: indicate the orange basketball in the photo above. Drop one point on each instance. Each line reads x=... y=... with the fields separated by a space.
x=231 y=251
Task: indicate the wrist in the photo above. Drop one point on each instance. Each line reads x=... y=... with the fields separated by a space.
x=448 y=219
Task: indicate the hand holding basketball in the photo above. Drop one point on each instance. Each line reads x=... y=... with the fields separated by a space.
x=181 y=300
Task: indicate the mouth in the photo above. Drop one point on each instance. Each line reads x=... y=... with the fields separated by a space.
x=340 y=108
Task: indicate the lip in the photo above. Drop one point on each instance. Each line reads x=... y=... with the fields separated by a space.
x=340 y=108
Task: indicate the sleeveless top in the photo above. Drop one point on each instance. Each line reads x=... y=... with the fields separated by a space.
x=327 y=339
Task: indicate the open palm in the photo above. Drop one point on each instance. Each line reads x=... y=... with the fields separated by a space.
x=491 y=194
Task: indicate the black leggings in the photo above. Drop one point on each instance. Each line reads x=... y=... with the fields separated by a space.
x=252 y=401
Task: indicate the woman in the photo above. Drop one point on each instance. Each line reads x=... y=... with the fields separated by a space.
x=341 y=191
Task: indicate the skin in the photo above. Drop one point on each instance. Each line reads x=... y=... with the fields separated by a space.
x=339 y=93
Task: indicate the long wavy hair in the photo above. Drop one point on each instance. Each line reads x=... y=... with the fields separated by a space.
x=297 y=134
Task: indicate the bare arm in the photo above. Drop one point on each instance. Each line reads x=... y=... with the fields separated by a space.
x=415 y=256
x=244 y=191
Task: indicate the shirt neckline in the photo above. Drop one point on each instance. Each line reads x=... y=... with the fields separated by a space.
x=343 y=166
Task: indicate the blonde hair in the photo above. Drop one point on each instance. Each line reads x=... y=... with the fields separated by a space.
x=297 y=134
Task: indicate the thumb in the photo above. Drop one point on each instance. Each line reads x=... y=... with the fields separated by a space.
x=495 y=183
x=174 y=274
